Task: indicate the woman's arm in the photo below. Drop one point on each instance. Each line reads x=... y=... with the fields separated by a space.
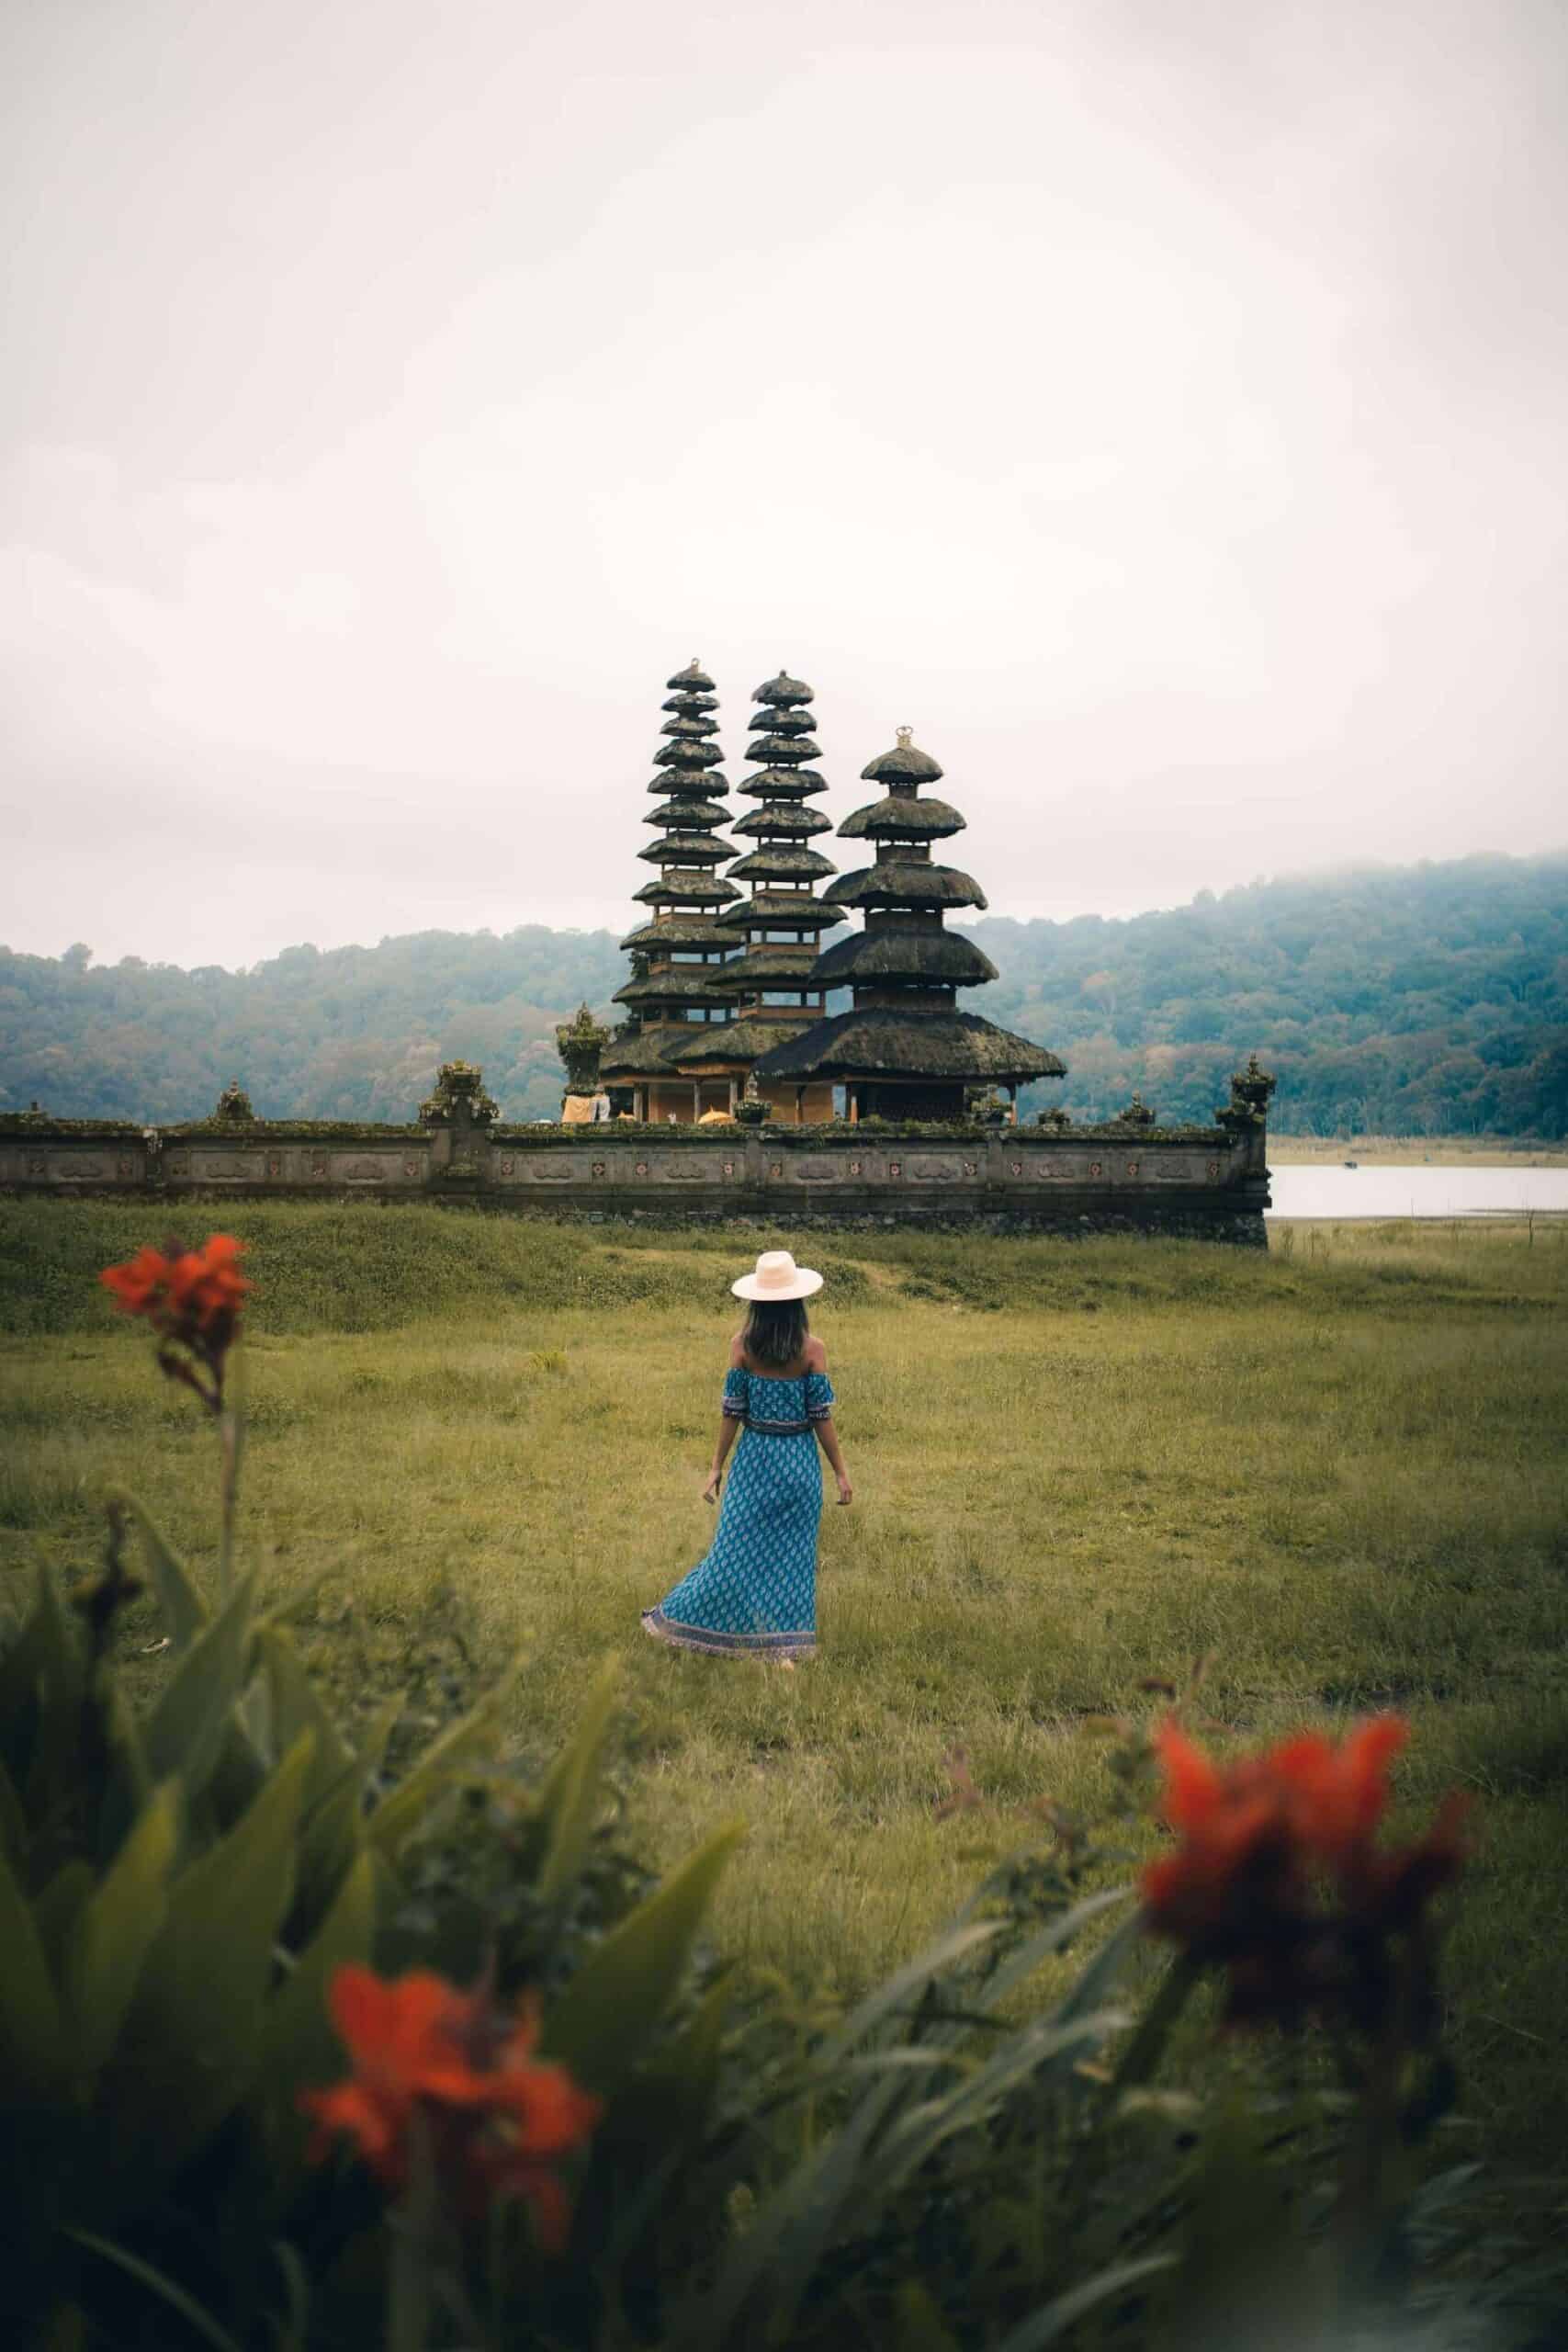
x=727 y=1428
x=827 y=1435
x=828 y=1439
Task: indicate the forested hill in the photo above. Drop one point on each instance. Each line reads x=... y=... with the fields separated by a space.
x=1429 y=999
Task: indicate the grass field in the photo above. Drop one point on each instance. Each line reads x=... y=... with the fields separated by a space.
x=1339 y=1468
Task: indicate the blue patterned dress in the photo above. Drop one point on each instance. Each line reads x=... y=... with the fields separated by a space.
x=755 y=1593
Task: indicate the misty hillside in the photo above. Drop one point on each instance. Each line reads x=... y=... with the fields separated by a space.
x=1428 y=998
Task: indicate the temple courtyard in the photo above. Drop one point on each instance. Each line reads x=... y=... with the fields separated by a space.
x=1337 y=1470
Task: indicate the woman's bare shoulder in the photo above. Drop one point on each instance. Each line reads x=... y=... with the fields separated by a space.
x=738 y=1352
x=816 y=1355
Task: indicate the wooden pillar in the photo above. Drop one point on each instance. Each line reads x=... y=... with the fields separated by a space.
x=853 y=1093
x=696 y=1100
x=733 y=1095
x=1012 y=1098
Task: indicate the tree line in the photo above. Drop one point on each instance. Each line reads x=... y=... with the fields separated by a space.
x=1421 y=999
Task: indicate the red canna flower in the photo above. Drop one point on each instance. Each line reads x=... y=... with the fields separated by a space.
x=500 y=2121
x=193 y=1299
x=1260 y=1840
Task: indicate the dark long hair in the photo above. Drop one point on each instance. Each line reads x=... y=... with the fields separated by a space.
x=775 y=1330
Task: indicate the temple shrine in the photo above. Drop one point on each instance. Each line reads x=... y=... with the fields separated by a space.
x=706 y=1027
x=904 y=1051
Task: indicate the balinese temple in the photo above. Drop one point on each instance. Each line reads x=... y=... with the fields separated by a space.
x=677 y=953
x=904 y=1051
x=772 y=986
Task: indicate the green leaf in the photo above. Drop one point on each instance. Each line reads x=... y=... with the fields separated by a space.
x=1022 y=1963
x=185 y=1608
x=299 y=2048
x=166 y=2289
x=921 y=2327
x=56 y=1910
x=609 y=2012
x=31 y=2036
x=900 y=1988
x=1046 y=2326
x=1018 y=2058
x=402 y=1813
x=13 y=1820
x=59 y=1682
x=193 y=2041
x=334 y=1828
x=185 y=1733
x=570 y=1797
x=297 y=1707
x=118 y=1928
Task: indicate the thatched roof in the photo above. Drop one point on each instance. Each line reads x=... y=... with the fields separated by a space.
x=691 y=889
x=691 y=679
x=904 y=765
x=690 y=730
x=900 y=816
x=781 y=722
x=677 y=984
x=783 y=783
x=679 y=931
x=687 y=755
x=780 y=862
x=782 y=747
x=784 y=689
x=879 y=1043
x=940 y=958
x=727 y=1043
x=770 y=966
x=687 y=816
x=782 y=911
x=709 y=785
x=781 y=822
x=689 y=849
x=639 y=1055
x=891 y=883
x=693 y=705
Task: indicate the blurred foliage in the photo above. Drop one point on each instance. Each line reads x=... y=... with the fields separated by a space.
x=1428 y=999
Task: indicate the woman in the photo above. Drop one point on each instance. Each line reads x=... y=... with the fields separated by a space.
x=755 y=1594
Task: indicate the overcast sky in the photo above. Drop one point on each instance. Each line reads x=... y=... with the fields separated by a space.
x=1157 y=403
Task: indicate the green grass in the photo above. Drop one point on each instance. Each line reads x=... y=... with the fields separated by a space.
x=1337 y=1467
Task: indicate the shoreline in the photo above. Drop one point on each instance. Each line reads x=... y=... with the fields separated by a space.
x=1413 y=1151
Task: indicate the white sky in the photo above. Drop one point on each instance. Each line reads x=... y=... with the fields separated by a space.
x=1158 y=403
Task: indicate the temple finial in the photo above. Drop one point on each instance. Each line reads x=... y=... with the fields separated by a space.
x=906 y=736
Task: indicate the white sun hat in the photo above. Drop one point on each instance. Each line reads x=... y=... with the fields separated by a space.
x=777 y=1276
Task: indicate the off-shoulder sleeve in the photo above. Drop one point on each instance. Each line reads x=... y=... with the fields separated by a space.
x=818 y=1396
x=735 y=1393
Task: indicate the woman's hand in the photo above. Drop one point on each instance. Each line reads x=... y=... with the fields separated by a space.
x=846 y=1492
x=710 y=1492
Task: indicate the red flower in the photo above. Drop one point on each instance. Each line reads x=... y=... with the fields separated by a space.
x=193 y=1299
x=498 y=2120
x=1258 y=1841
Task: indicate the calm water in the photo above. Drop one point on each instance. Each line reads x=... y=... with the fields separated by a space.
x=1416 y=1192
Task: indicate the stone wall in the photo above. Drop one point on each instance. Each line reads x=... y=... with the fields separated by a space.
x=1210 y=1182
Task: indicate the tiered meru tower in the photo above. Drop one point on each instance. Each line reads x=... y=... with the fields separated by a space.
x=677 y=953
x=905 y=1051
x=770 y=984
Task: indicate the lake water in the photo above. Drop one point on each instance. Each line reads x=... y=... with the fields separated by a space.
x=1418 y=1191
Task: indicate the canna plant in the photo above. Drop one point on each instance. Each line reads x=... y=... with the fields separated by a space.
x=187 y=1896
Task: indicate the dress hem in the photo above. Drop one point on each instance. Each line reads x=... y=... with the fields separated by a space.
x=713 y=1643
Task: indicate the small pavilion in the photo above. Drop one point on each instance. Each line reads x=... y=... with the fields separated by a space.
x=904 y=1051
